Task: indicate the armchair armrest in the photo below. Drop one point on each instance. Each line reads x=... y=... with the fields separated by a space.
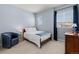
x=5 y=36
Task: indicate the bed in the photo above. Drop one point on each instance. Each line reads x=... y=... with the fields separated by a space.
x=35 y=36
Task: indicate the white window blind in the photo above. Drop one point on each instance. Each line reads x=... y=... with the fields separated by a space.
x=39 y=20
x=65 y=17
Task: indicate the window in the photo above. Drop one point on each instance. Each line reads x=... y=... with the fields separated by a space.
x=39 y=21
x=65 y=17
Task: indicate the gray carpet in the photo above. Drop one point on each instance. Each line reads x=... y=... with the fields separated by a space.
x=25 y=47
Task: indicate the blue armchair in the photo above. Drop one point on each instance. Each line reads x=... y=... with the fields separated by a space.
x=9 y=39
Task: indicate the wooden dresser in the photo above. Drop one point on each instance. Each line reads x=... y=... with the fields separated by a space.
x=71 y=43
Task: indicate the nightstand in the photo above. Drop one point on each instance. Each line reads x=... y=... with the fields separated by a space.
x=21 y=37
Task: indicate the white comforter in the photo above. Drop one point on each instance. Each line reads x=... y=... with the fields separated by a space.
x=31 y=36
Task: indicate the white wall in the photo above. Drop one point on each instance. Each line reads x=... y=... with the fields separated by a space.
x=47 y=20
x=12 y=17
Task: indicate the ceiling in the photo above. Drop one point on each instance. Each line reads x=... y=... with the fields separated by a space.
x=36 y=7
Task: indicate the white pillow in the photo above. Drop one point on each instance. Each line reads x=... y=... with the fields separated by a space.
x=30 y=29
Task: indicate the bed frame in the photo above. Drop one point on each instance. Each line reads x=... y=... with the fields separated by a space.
x=41 y=43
